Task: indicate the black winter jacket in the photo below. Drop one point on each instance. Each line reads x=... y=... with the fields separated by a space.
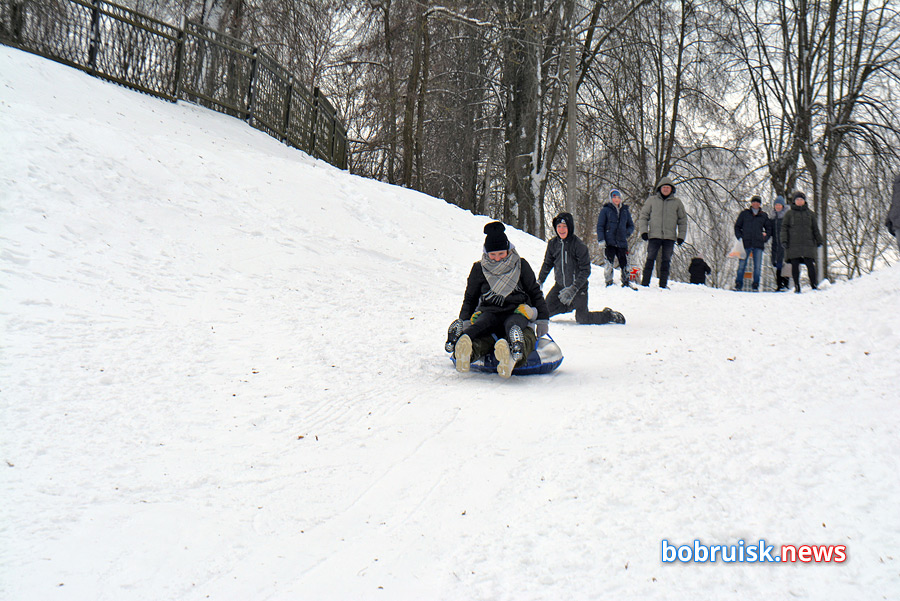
x=527 y=291
x=570 y=261
x=753 y=230
x=698 y=270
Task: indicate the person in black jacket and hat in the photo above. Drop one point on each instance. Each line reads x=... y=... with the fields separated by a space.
x=698 y=270
x=754 y=229
x=570 y=261
x=502 y=298
x=777 y=219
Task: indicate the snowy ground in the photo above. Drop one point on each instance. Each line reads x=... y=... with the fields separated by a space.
x=222 y=377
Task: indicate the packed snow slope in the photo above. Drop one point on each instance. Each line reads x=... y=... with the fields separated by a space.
x=223 y=378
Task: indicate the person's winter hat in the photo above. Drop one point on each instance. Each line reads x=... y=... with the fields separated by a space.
x=495 y=239
x=567 y=218
x=779 y=200
x=614 y=192
x=799 y=195
x=756 y=199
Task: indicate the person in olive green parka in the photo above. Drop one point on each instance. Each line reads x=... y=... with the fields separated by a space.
x=662 y=223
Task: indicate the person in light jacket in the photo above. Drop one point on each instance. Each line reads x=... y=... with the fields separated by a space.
x=663 y=223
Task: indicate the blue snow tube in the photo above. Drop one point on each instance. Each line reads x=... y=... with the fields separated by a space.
x=545 y=358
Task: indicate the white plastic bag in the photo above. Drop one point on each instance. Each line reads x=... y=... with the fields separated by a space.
x=737 y=250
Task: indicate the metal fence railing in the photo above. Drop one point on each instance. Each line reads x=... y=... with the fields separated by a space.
x=191 y=62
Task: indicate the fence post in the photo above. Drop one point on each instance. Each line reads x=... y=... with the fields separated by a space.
x=17 y=21
x=315 y=122
x=250 y=99
x=331 y=156
x=287 y=109
x=95 y=36
x=179 y=58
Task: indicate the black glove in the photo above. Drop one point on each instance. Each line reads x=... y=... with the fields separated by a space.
x=644 y=236
x=680 y=241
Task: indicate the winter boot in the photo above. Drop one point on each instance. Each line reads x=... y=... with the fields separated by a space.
x=613 y=316
x=516 y=343
x=608 y=272
x=453 y=333
x=505 y=362
x=463 y=353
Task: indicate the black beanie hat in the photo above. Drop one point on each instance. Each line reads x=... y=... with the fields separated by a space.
x=799 y=195
x=567 y=218
x=495 y=238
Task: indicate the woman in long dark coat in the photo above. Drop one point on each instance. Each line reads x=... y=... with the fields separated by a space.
x=800 y=237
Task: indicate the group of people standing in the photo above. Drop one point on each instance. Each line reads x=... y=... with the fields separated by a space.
x=794 y=234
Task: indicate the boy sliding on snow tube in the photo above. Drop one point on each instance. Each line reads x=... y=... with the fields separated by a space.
x=502 y=297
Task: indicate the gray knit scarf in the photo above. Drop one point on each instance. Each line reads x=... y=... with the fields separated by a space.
x=502 y=276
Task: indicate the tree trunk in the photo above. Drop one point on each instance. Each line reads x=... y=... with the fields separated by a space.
x=412 y=85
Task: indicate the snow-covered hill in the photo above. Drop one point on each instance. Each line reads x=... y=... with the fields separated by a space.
x=222 y=377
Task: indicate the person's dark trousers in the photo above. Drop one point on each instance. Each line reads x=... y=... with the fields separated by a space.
x=665 y=260
x=484 y=345
x=579 y=305
x=810 y=271
x=495 y=322
x=782 y=282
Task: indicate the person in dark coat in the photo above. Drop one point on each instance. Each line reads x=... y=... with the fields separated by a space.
x=502 y=297
x=567 y=256
x=754 y=230
x=800 y=237
x=777 y=219
x=614 y=226
x=698 y=270
x=893 y=217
